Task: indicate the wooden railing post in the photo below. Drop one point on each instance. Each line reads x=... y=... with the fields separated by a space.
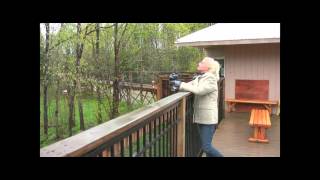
x=159 y=89
x=181 y=128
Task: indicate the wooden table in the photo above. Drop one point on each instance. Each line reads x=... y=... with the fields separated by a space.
x=266 y=103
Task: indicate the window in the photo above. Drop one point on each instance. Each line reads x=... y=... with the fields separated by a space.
x=221 y=62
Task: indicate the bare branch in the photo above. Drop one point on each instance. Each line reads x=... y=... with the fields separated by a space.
x=105 y=27
x=126 y=41
x=73 y=36
x=62 y=41
x=125 y=28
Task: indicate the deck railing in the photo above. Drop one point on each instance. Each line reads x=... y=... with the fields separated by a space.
x=161 y=129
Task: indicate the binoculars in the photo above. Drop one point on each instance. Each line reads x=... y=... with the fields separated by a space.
x=172 y=77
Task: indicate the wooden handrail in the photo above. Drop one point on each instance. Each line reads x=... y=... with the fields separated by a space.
x=88 y=140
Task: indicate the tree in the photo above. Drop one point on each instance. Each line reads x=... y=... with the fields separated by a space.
x=115 y=102
x=69 y=71
x=56 y=114
x=117 y=76
x=79 y=50
x=99 y=116
x=46 y=80
x=91 y=54
x=57 y=76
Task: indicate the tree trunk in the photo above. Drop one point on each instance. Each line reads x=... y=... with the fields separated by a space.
x=45 y=109
x=71 y=109
x=81 y=114
x=97 y=41
x=129 y=103
x=74 y=107
x=115 y=102
x=79 y=53
x=45 y=89
x=56 y=114
x=92 y=89
x=99 y=118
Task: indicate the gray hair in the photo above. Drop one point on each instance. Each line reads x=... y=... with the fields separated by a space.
x=214 y=66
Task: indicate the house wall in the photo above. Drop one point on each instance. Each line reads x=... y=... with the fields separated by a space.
x=216 y=51
x=250 y=62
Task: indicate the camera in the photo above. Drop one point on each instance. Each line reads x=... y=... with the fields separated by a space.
x=172 y=77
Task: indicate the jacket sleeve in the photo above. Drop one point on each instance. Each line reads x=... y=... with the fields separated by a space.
x=205 y=87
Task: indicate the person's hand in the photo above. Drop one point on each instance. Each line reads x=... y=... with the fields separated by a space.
x=176 y=83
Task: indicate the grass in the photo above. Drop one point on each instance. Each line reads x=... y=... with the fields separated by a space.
x=90 y=107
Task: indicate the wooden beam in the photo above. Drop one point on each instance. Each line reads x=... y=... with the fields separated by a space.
x=181 y=128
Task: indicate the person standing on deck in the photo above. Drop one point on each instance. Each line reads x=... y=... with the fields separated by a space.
x=205 y=88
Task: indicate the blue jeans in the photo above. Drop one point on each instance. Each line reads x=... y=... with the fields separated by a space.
x=206 y=134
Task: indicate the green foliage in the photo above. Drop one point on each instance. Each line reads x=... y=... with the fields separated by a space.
x=90 y=110
x=151 y=47
x=147 y=47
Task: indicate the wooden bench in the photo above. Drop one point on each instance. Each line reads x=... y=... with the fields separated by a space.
x=266 y=103
x=260 y=121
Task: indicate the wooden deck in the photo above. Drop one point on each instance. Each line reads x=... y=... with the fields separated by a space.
x=231 y=137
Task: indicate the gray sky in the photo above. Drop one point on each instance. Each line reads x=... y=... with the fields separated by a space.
x=54 y=28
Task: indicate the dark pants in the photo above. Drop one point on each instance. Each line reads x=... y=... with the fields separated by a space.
x=206 y=134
